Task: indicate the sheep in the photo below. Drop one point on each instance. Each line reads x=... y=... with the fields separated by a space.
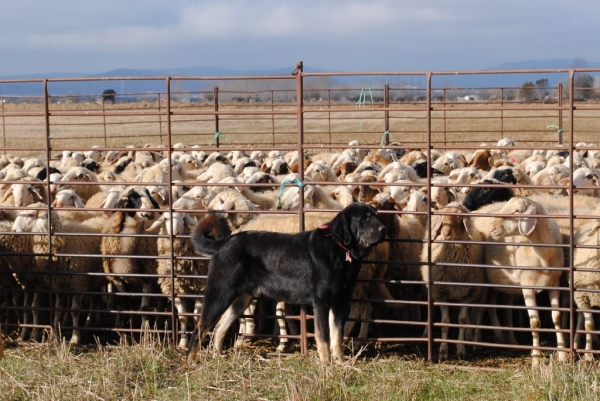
x=482 y=194
x=23 y=193
x=406 y=248
x=587 y=276
x=16 y=260
x=410 y=172
x=321 y=172
x=68 y=198
x=80 y=175
x=521 y=228
x=84 y=245
x=454 y=228
x=447 y=163
x=196 y=198
x=551 y=176
x=417 y=202
x=217 y=172
x=441 y=195
x=343 y=195
x=411 y=157
x=130 y=223
x=464 y=175
x=583 y=176
x=422 y=166
x=232 y=200
x=159 y=173
x=482 y=160
x=177 y=224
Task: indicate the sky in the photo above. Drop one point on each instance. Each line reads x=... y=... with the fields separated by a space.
x=58 y=36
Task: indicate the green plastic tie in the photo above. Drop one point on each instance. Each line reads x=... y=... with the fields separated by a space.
x=559 y=130
x=287 y=181
x=386 y=133
x=217 y=135
x=362 y=98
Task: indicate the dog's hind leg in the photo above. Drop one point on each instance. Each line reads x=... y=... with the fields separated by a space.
x=247 y=324
x=366 y=315
x=237 y=307
x=283 y=341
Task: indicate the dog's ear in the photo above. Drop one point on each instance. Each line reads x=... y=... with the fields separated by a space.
x=340 y=227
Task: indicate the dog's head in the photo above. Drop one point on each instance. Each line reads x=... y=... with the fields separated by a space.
x=359 y=228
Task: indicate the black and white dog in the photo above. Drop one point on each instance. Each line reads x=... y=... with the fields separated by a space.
x=318 y=267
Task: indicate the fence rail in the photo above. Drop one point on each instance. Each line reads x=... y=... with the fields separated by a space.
x=295 y=112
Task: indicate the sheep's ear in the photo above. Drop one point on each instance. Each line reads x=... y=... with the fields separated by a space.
x=469 y=228
x=452 y=193
x=157 y=223
x=594 y=229
x=190 y=221
x=564 y=181
x=436 y=226
x=42 y=225
x=527 y=224
x=7 y=194
x=36 y=192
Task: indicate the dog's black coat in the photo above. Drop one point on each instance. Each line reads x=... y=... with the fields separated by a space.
x=318 y=267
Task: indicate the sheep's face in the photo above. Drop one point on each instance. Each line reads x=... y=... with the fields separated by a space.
x=26 y=220
x=139 y=199
x=182 y=223
x=451 y=227
x=67 y=198
x=521 y=224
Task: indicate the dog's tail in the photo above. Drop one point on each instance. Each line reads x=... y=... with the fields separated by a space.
x=210 y=233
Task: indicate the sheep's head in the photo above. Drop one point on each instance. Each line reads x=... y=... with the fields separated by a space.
x=138 y=198
x=182 y=223
x=67 y=198
x=22 y=194
x=27 y=219
x=453 y=227
x=520 y=223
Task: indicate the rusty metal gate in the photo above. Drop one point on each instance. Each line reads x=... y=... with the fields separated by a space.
x=310 y=113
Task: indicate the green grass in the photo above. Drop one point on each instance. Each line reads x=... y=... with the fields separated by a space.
x=153 y=370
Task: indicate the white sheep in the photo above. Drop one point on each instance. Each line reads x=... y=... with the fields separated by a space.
x=16 y=259
x=68 y=198
x=584 y=177
x=233 y=200
x=523 y=227
x=65 y=266
x=130 y=224
x=178 y=224
x=587 y=276
x=463 y=256
x=88 y=182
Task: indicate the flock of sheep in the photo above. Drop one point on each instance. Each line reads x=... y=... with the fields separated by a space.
x=499 y=207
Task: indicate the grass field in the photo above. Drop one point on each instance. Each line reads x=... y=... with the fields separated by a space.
x=151 y=370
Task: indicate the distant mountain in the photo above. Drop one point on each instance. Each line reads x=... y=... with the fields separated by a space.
x=205 y=71
x=137 y=86
x=542 y=64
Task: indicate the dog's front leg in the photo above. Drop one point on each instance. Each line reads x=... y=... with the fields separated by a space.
x=336 y=334
x=322 y=332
